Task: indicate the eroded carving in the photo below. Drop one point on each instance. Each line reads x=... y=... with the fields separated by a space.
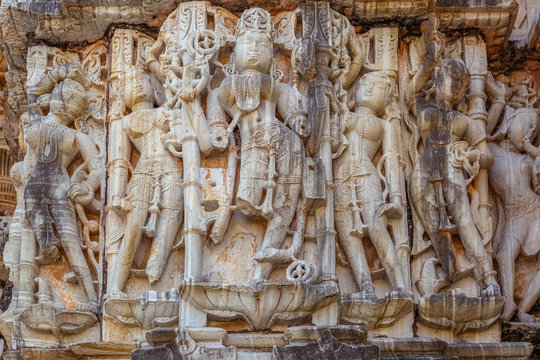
x=453 y=151
x=260 y=173
x=272 y=153
x=514 y=178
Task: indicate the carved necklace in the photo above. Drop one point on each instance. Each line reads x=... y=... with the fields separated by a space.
x=247 y=91
x=50 y=134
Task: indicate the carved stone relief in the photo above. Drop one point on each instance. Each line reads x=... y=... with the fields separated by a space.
x=53 y=248
x=277 y=176
x=450 y=156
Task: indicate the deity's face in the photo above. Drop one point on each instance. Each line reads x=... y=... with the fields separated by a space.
x=523 y=127
x=452 y=81
x=253 y=51
x=373 y=92
x=68 y=101
x=138 y=88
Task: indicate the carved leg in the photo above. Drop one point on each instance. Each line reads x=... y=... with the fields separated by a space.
x=253 y=166
x=533 y=291
x=384 y=245
x=27 y=267
x=507 y=252
x=276 y=231
x=169 y=222
x=64 y=215
x=461 y=210
x=526 y=304
x=423 y=199
x=129 y=246
x=354 y=250
x=38 y=210
x=273 y=238
x=12 y=256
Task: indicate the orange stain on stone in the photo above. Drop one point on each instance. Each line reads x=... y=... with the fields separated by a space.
x=54 y=276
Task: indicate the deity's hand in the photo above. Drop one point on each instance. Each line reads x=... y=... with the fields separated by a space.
x=122 y=204
x=473 y=156
x=191 y=85
x=485 y=159
x=391 y=210
x=496 y=90
x=434 y=39
x=533 y=151
x=81 y=193
x=186 y=95
x=301 y=126
x=172 y=143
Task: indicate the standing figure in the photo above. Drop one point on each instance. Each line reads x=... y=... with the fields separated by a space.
x=49 y=191
x=359 y=192
x=514 y=177
x=452 y=144
x=272 y=154
x=12 y=250
x=154 y=194
x=21 y=264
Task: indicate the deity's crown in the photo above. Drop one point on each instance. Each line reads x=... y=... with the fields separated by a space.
x=257 y=20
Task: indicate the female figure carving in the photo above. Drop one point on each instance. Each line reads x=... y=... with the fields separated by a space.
x=271 y=153
x=359 y=192
x=154 y=194
x=514 y=177
x=54 y=145
x=452 y=144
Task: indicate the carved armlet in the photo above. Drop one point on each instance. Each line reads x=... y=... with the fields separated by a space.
x=498 y=100
x=292 y=113
x=219 y=124
x=120 y=163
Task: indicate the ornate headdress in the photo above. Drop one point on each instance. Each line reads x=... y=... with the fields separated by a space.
x=257 y=20
x=386 y=77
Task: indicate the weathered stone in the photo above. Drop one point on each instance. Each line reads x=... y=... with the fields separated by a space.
x=518 y=332
x=344 y=333
x=327 y=347
x=167 y=352
x=403 y=347
x=161 y=336
x=517 y=350
x=211 y=180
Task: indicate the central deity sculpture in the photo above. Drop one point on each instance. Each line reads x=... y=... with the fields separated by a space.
x=272 y=152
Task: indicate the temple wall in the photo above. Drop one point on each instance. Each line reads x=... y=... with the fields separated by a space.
x=270 y=180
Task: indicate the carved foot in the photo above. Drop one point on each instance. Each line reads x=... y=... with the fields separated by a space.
x=47 y=257
x=367 y=293
x=246 y=207
x=400 y=293
x=70 y=278
x=115 y=294
x=257 y=281
x=509 y=311
x=91 y=307
x=491 y=290
x=527 y=318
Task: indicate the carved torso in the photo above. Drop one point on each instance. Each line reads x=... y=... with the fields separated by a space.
x=145 y=129
x=52 y=142
x=441 y=126
x=510 y=178
x=365 y=137
x=246 y=92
